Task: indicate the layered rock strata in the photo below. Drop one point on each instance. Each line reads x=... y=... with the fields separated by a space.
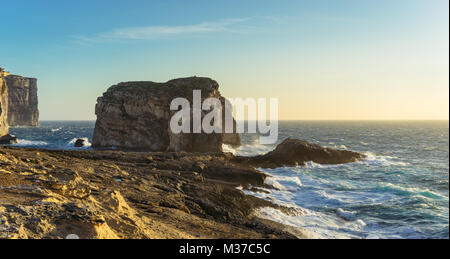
x=136 y=116
x=114 y=194
x=3 y=103
x=23 y=101
x=294 y=152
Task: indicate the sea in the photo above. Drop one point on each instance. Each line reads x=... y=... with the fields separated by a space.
x=401 y=190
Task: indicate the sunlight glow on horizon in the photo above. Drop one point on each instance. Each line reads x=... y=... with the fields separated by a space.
x=352 y=60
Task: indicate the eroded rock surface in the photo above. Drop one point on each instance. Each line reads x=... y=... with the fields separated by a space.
x=22 y=101
x=294 y=152
x=3 y=103
x=114 y=194
x=136 y=115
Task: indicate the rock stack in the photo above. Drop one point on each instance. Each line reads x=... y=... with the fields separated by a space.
x=136 y=116
x=23 y=101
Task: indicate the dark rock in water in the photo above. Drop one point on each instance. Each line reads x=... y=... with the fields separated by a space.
x=294 y=152
x=136 y=116
x=22 y=101
x=8 y=139
x=80 y=143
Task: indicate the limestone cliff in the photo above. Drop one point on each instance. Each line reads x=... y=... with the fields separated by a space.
x=23 y=101
x=3 y=103
x=136 y=115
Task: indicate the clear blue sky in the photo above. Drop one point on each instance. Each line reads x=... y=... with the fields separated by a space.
x=325 y=59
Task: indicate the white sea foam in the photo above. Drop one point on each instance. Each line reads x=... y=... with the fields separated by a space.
x=31 y=143
x=413 y=191
x=56 y=130
x=289 y=193
x=273 y=182
x=372 y=236
x=248 y=149
x=318 y=225
x=377 y=160
x=291 y=183
x=346 y=215
x=313 y=165
x=361 y=223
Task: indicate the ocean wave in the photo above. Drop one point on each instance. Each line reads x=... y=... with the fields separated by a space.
x=409 y=191
x=334 y=146
x=248 y=149
x=317 y=225
x=346 y=215
x=284 y=183
x=372 y=159
x=56 y=130
x=313 y=165
x=30 y=143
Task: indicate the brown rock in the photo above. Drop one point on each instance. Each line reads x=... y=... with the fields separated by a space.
x=136 y=116
x=8 y=139
x=294 y=152
x=82 y=197
x=3 y=103
x=22 y=101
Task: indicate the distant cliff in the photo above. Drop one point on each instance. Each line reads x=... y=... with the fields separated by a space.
x=3 y=103
x=23 y=101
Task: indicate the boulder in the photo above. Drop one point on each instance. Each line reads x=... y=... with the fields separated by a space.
x=294 y=152
x=80 y=143
x=8 y=140
x=22 y=101
x=136 y=116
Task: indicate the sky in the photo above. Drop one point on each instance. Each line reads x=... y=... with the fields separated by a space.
x=323 y=60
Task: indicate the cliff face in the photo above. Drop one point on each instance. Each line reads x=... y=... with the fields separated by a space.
x=23 y=101
x=136 y=115
x=3 y=103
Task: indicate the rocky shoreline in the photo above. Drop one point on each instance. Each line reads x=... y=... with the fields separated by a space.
x=114 y=194
x=180 y=186
x=117 y=194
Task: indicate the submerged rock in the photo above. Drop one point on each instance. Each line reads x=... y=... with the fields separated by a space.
x=22 y=101
x=136 y=116
x=294 y=152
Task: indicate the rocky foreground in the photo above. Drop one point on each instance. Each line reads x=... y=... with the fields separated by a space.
x=111 y=194
x=115 y=194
